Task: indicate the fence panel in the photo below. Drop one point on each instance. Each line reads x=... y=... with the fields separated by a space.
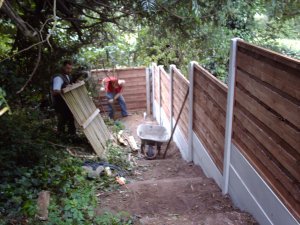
x=180 y=87
x=87 y=116
x=165 y=91
x=210 y=113
x=134 y=90
x=266 y=120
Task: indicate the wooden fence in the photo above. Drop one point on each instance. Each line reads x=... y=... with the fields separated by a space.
x=87 y=116
x=265 y=127
x=266 y=120
x=134 y=90
x=171 y=101
x=209 y=104
x=180 y=88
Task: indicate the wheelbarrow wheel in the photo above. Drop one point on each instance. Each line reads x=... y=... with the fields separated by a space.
x=150 y=152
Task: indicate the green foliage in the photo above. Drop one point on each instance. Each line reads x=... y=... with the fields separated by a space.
x=30 y=163
x=107 y=218
x=3 y=103
x=117 y=156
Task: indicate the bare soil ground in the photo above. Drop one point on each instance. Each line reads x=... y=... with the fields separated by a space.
x=171 y=191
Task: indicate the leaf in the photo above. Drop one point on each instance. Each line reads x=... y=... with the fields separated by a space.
x=4 y=110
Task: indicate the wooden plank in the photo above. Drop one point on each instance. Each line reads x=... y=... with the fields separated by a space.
x=283 y=106
x=218 y=137
x=288 y=161
x=212 y=110
x=268 y=168
x=179 y=76
x=184 y=115
x=69 y=100
x=90 y=119
x=219 y=98
x=94 y=128
x=287 y=189
x=212 y=79
x=73 y=86
x=275 y=123
x=179 y=83
x=204 y=136
x=267 y=72
x=82 y=107
x=118 y=69
x=279 y=58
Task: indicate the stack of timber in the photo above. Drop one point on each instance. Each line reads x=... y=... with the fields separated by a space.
x=87 y=115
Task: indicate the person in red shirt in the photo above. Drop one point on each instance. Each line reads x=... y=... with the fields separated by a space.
x=113 y=88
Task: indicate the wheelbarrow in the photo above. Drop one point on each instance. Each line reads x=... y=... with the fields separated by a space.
x=152 y=137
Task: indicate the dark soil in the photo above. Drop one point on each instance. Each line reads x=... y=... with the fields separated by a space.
x=171 y=191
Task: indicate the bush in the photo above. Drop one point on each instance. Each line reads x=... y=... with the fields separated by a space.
x=30 y=164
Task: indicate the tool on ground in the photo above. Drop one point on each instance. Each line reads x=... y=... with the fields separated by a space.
x=185 y=98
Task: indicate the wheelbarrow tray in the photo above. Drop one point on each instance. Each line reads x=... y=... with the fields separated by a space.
x=155 y=133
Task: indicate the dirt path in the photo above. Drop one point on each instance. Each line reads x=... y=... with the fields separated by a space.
x=171 y=191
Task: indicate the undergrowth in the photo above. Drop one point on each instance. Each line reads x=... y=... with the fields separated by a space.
x=32 y=160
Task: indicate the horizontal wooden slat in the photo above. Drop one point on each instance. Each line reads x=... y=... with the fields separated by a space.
x=72 y=87
x=212 y=79
x=212 y=110
x=212 y=135
x=290 y=162
x=271 y=173
x=202 y=133
x=269 y=73
x=283 y=106
x=275 y=123
x=179 y=76
x=268 y=54
x=216 y=93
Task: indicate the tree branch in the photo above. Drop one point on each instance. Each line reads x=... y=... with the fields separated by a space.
x=34 y=70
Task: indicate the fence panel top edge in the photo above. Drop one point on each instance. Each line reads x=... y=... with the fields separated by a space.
x=211 y=77
x=289 y=61
x=118 y=69
x=161 y=68
x=181 y=76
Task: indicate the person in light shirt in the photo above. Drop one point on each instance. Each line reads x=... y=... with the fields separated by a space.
x=64 y=115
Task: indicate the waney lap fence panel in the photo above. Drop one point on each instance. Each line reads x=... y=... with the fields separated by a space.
x=209 y=111
x=266 y=121
x=134 y=91
x=180 y=87
x=165 y=91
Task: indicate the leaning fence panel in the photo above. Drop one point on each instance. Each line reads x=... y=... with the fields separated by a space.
x=87 y=115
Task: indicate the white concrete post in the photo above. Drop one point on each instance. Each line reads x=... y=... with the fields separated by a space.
x=153 y=68
x=191 y=99
x=171 y=96
x=159 y=91
x=148 y=93
x=229 y=114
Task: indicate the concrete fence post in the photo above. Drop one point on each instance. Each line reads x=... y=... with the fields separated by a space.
x=171 y=96
x=229 y=114
x=153 y=72
x=148 y=90
x=191 y=99
x=159 y=91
